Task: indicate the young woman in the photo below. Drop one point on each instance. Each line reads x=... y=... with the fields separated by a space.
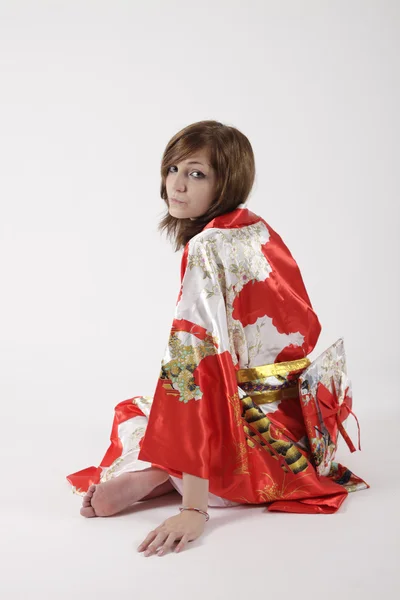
x=228 y=423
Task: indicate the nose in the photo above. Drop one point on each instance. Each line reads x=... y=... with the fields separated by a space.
x=180 y=182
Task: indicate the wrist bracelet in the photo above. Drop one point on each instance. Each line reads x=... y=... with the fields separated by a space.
x=197 y=509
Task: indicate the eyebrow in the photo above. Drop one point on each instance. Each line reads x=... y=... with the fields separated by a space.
x=194 y=162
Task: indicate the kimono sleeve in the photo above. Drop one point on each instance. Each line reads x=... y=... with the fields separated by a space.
x=190 y=422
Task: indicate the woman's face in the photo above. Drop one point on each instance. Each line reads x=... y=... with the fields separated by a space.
x=192 y=184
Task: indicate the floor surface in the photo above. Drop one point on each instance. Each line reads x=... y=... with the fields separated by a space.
x=49 y=551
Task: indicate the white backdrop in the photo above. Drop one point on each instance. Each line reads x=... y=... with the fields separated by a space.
x=90 y=93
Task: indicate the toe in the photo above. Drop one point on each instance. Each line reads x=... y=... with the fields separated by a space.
x=87 y=500
x=88 y=511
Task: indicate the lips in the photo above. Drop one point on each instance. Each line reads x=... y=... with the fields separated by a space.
x=178 y=201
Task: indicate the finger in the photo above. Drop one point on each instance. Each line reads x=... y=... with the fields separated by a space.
x=169 y=542
x=182 y=543
x=159 y=540
x=147 y=541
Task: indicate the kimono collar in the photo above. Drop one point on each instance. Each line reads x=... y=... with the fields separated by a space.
x=240 y=217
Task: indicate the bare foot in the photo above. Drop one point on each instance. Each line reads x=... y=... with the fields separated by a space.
x=161 y=490
x=113 y=496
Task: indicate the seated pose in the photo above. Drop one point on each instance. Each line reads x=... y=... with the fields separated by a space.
x=239 y=415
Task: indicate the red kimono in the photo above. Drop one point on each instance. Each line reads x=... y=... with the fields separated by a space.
x=237 y=401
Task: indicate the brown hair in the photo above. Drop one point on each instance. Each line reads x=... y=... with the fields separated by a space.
x=232 y=158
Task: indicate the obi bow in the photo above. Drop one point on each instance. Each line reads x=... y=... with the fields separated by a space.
x=334 y=413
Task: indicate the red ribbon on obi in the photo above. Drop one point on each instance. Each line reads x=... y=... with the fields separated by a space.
x=331 y=412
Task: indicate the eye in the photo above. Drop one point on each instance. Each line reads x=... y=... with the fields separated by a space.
x=199 y=172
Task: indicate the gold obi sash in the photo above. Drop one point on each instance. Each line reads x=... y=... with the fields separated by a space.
x=254 y=382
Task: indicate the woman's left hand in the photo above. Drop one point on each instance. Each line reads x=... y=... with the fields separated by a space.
x=186 y=527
